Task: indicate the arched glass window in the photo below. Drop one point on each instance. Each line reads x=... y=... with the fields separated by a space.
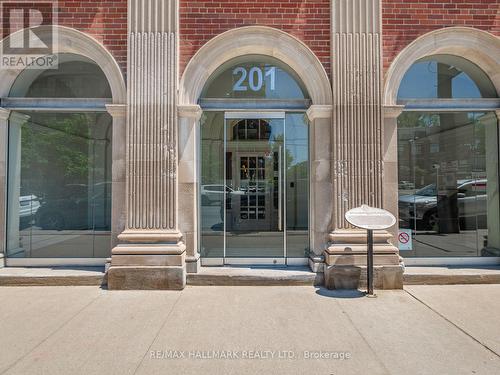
x=254 y=76
x=75 y=77
x=445 y=77
x=448 y=160
x=59 y=177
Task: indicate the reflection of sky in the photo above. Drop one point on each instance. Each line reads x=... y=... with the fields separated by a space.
x=420 y=81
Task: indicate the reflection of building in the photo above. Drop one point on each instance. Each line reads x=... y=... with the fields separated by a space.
x=248 y=144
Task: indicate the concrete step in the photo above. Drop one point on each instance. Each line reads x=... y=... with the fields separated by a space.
x=451 y=275
x=245 y=276
x=254 y=275
x=51 y=276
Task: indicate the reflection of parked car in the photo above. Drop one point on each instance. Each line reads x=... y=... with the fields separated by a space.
x=28 y=206
x=214 y=194
x=422 y=206
x=77 y=207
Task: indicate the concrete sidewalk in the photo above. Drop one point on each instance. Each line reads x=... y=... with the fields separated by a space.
x=87 y=330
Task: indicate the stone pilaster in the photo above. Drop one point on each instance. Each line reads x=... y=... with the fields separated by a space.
x=189 y=116
x=321 y=205
x=390 y=159
x=118 y=212
x=4 y=122
x=357 y=143
x=151 y=253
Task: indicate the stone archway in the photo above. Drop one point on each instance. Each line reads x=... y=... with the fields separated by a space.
x=260 y=40
x=255 y=40
x=479 y=47
x=73 y=41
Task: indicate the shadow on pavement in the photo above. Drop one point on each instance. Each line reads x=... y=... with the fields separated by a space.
x=351 y=293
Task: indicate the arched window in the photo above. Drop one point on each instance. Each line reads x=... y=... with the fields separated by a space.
x=445 y=77
x=59 y=170
x=448 y=159
x=75 y=77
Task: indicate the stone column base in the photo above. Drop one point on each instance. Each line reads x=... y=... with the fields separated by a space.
x=346 y=259
x=354 y=277
x=159 y=264
x=193 y=264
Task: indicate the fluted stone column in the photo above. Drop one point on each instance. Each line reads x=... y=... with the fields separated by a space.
x=189 y=116
x=4 y=123
x=358 y=144
x=151 y=253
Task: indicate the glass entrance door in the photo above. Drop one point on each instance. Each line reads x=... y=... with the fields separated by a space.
x=255 y=186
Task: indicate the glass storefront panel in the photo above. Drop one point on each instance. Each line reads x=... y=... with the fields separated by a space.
x=297 y=185
x=212 y=185
x=59 y=185
x=256 y=154
x=448 y=183
x=255 y=162
x=261 y=167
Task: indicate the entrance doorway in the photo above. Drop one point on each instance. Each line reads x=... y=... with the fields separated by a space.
x=255 y=188
x=254 y=209
x=254 y=157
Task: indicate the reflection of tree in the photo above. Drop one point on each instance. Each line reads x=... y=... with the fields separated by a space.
x=418 y=120
x=55 y=152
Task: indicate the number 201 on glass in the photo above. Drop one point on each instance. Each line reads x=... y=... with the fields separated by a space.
x=253 y=78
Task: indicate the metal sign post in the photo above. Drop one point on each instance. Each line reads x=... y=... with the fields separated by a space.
x=371 y=219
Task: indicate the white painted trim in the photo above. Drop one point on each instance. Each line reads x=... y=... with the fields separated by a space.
x=442 y=261
x=54 y=262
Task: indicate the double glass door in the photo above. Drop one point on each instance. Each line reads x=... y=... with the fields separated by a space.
x=262 y=196
x=254 y=176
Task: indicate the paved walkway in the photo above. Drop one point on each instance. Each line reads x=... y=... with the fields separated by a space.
x=252 y=330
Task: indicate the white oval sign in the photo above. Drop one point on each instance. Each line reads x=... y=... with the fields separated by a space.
x=367 y=217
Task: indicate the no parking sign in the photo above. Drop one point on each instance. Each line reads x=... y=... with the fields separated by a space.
x=404 y=239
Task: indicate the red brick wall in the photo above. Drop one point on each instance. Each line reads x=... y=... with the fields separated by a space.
x=308 y=20
x=105 y=20
x=405 y=20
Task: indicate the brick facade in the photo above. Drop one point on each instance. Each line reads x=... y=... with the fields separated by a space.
x=405 y=20
x=308 y=20
x=105 y=20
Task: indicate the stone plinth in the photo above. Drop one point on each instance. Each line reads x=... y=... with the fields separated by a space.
x=346 y=259
x=159 y=264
